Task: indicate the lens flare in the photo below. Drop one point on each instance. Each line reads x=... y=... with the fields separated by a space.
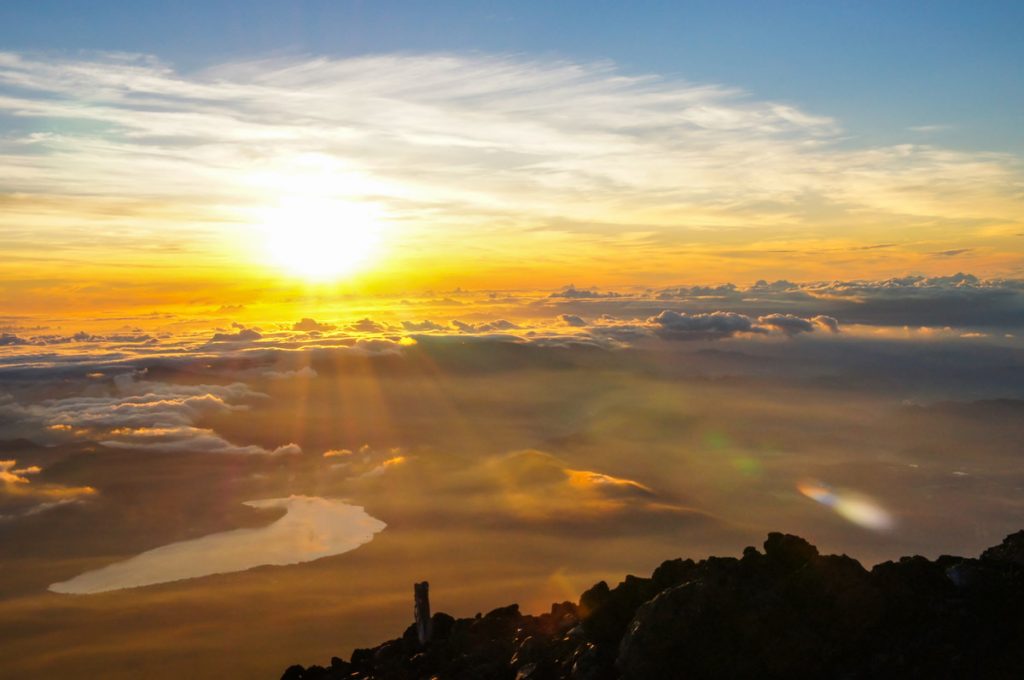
x=850 y=505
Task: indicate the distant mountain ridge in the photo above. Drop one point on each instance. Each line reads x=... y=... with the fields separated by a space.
x=785 y=613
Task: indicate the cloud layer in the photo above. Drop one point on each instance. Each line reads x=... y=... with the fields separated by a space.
x=141 y=414
x=924 y=309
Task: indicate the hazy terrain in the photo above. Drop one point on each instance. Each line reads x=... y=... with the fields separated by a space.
x=533 y=446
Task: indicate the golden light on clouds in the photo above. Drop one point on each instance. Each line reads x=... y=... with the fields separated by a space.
x=145 y=185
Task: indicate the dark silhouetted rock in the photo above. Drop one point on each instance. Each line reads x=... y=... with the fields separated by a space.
x=792 y=552
x=294 y=673
x=1010 y=550
x=787 y=613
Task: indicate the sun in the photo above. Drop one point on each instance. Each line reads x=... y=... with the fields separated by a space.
x=321 y=239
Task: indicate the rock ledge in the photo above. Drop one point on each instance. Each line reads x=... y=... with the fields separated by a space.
x=785 y=613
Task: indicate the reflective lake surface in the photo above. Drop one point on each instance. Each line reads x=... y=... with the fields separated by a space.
x=311 y=528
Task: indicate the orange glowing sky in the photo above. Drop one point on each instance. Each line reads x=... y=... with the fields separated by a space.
x=133 y=185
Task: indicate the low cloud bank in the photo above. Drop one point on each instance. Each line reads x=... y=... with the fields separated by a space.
x=143 y=414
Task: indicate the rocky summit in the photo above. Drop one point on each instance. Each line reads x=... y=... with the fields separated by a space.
x=786 y=612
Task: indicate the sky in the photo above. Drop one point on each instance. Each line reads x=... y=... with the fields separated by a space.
x=302 y=302
x=879 y=67
x=492 y=146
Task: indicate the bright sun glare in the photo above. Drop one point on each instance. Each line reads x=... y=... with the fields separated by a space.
x=321 y=239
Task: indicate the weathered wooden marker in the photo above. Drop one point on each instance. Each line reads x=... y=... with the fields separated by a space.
x=424 y=626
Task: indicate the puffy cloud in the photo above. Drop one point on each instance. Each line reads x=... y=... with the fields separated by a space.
x=8 y=340
x=959 y=300
x=141 y=404
x=244 y=335
x=307 y=324
x=422 y=326
x=959 y=280
x=787 y=323
x=674 y=325
x=80 y=336
x=827 y=322
x=487 y=327
x=144 y=339
x=774 y=287
x=573 y=293
x=368 y=326
x=791 y=325
x=572 y=320
x=682 y=326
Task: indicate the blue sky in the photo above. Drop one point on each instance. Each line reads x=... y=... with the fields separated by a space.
x=879 y=67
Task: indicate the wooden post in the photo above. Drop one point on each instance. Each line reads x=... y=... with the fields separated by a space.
x=424 y=627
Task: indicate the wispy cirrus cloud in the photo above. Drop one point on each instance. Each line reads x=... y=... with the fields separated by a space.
x=512 y=150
